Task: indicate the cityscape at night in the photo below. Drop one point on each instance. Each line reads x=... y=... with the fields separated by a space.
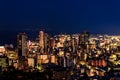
x=59 y=40
x=61 y=57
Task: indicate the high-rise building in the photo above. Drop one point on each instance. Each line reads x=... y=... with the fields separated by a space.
x=84 y=45
x=73 y=44
x=84 y=38
x=46 y=42
x=22 y=44
x=52 y=43
x=41 y=40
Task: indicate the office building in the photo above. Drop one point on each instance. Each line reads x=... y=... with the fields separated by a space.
x=41 y=41
x=22 y=44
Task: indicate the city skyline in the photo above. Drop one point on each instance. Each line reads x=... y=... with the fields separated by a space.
x=80 y=56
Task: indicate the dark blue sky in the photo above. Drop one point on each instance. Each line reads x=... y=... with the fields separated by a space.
x=71 y=16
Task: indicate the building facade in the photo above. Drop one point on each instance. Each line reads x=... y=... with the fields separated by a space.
x=22 y=45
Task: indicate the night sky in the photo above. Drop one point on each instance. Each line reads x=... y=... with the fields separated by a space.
x=70 y=16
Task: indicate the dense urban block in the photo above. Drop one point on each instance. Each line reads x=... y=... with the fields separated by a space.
x=68 y=57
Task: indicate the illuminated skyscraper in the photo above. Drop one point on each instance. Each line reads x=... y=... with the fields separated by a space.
x=41 y=40
x=52 y=43
x=46 y=42
x=22 y=44
x=84 y=38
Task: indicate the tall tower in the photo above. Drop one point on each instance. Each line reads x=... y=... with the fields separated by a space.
x=22 y=44
x=84 y=38
x=84 y=43
x=46 y=42
x=41 y=40
x=52 y=43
